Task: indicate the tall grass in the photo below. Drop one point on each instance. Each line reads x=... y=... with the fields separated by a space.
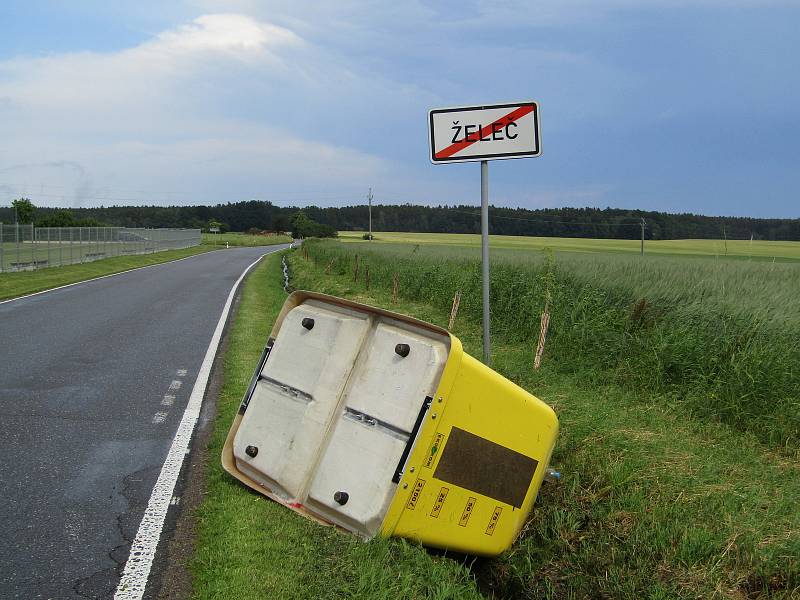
x=721 y=337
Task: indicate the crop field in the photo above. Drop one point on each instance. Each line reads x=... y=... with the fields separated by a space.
x=676 y=385
x=740 y=249
x=244 y=239
x=721 y=334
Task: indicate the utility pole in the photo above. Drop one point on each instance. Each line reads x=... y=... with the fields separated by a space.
x=369 y=198
x=725 y=236
x=644 y=224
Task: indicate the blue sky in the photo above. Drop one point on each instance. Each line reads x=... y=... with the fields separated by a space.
x=674 y=105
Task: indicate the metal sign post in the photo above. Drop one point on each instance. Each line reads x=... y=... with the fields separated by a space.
x=484 y=133
x=485 y=257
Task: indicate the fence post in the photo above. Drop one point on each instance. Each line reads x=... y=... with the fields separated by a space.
x=60 y=248
x=16 y=237
x=1 y=247
x=544 y=323
x=454 y=310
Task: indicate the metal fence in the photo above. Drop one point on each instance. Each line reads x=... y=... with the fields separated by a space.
x=24 y=247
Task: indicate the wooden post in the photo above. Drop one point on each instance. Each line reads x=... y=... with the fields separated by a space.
x=366 y=275
x=543 y=325
x=454 y=310
x=355 y=270
x=394 y=288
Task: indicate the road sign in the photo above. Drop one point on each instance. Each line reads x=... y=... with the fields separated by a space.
x=214 y=229
x=484 y=133
x=488 y=132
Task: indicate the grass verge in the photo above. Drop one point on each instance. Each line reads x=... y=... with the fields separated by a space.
x=652 y=504
x=21 y=283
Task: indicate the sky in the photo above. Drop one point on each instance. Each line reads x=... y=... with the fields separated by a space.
x=669 y=105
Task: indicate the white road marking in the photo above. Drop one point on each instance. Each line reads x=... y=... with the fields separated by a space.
x=143 y=549
x=159 y=417
x=181 y=372
x=175 y=501
x=175 y=385
x=167 y=400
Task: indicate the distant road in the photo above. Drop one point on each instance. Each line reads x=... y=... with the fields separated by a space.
x=94 y=380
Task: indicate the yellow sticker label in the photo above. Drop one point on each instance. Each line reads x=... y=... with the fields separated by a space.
x=437 y=506
x=493 y=521
x=436 y=445
x=467 y=511
x=415 y=494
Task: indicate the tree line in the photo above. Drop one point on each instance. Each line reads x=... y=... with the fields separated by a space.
x=612 y=223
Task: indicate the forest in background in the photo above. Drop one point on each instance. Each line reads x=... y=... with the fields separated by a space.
x=612 y=223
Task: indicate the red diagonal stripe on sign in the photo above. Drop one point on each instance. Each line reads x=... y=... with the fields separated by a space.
x=514 y=115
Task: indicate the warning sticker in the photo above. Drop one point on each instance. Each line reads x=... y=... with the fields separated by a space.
x=493 y=521
x=437 y=506
x=436 y=445
x=415 y=494
x=467 y=511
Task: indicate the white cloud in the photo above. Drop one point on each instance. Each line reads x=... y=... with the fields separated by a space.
x=239 y=35
x=207 y=109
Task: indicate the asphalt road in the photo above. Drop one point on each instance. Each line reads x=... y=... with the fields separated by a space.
x=94 y=380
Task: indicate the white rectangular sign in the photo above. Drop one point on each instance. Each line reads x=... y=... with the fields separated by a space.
x=484 y=132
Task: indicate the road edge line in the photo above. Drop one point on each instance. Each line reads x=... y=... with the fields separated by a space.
x=136 y=574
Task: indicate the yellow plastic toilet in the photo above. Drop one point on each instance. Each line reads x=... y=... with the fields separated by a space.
x=382 y=425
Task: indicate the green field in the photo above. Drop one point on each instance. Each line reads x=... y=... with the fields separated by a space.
x=244 y=239
x=718 y=248
x=677 y=388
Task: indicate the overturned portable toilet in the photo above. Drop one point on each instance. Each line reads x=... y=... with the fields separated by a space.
x=381 y=424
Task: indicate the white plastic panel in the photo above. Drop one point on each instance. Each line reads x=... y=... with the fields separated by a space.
x=390 y=387
x=291 y=410
x=334 y=408
x=360 y=461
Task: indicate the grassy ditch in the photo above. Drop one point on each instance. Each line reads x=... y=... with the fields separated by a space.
x=720 y=337
x=29 y=282
x=653 y=503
